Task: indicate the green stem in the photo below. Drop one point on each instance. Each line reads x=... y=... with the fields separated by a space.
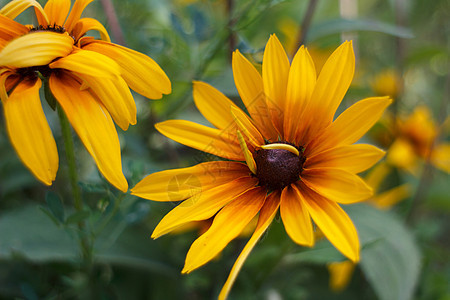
x=73 y=177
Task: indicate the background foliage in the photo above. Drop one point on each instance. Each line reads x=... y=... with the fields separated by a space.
x=406 y=249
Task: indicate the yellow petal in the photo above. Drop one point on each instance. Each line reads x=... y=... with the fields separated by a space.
x=247 y=154
x=340 y=274
x=350 y=126
x=29 y=131
x=75 y=13
x=116 y=97
x=227 y=225
x=218 y=142
x=331 y=86
x=88 y=62
x=402 y=155
x=337 y=185
x=16 y=7
x=246 y=126
x=94 y=126
x=141 y=73
x=181 y=184
x=377 y=175
x=10 y=29
x=391 y=197
x=266 y=215
x=204 y=205
x=301 y=82
x=295 y=216
x=275 y=72
x=57 y=11
x=85 y=24
x=333 y=222
x=213 y=105
x=352 y=158
x=35 y=49
x=440 y=157
x=8 y=80
x=250 y=87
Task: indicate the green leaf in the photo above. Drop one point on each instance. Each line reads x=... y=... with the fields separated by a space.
x=345 y=25
x=392 y=262
x=78 y=216
x=55 y=206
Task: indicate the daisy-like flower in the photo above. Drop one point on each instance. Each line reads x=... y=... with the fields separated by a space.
x=89 y=78
x=287 y=155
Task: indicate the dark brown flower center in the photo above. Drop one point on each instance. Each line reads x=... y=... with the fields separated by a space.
x=277 y=168
x=53 y=28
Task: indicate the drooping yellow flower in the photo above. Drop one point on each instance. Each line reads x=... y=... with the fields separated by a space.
x=89 y=78
x=415 y=141
x=297 y=159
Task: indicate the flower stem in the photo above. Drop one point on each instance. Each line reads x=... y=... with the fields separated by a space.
x=304 y=27
x=73 y=177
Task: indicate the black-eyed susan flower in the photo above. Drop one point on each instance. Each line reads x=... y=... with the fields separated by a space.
x=287 y=155
x=90 y=79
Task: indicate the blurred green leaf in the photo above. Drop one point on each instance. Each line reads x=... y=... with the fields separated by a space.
x=392 y=263
x=78 y=216
x=55 y=206
x=344 y=25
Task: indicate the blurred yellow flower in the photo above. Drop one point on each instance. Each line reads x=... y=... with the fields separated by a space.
x=297 y=159
x=388 y=83
x=415 y=141
x=89 y=78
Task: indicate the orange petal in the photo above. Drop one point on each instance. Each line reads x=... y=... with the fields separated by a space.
x=301 y=82
x=141 y=73
x=337 y=185
x=227 y=225
x=204 y=205
x=94 y=126
x=275 y=72
x=352 y=158
x=85 y=24
x=247 y=127
x=333 y=222
x=57 y=11
x=75 y=13
x=29 y=131
x=250 y=87
x=180 y=184
x=10 y=29
x=16 y=7
x=266 y=215
x=218 y=142
x=295 y=216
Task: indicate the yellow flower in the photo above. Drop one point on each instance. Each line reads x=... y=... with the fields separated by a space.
x=297 y=159
x=388 y=83
x=415 y=141
x=89 y=78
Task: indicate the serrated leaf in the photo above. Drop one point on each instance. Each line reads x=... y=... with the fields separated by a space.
x=55 y=206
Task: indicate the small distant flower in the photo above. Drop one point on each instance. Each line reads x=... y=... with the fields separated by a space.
x=89 y=78
x=415 y=141
x=297 y=159
x=388 y=83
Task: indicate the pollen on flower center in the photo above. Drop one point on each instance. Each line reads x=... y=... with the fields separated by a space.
x=277 y=168
x=53 y=28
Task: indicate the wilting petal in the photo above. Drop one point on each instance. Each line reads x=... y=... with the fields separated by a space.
x=247 y=154
x=85 y=24
x=204 y=205
x=331 y=86
x=93 y=125
x=250 y=87
x=227 y=225
x=246 y=126
x=352 y=158
x=333 y=222
x=337 y=185
x=29 y=131
x=116 y=97
x=295 y=216
x=340 y=274
x=16 y=7
x=57 y=11
x=266 y=215
x=35 y=49
x=213 y=105
x=275 y=72
x=350 y=126
x=440 y=157
x=180 y=184
x=218 y=142
x=301 y=82
x=10 y=29
x=141 y=73
x=75 y=13
x=89 y=63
